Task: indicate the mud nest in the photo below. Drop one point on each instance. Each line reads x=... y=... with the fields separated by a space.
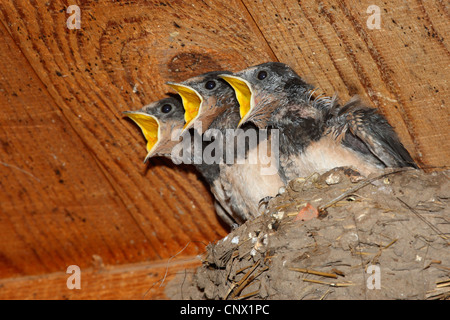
x=335 y=236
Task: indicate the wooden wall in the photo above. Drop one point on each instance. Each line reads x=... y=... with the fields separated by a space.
x=73 y=188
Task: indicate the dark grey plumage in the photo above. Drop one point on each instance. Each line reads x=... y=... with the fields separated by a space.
x=239 y=187
x=318 y=135
x=368 y=132
x=170 y=113
x=157 y=121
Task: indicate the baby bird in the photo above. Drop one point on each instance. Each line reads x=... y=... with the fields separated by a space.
x=315 y=136
x=159 y=122
x=210 y=101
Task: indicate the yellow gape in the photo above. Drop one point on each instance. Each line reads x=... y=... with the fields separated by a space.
x=149 y=126
x=192 y=103
x=243 y=95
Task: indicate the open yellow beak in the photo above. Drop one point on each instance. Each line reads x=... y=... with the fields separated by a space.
x=192 y=103
x=150 y=128
x=243 y=95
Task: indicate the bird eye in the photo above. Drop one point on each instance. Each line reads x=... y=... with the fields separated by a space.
x=166 y=108
x=262 y=75
x=210 y=85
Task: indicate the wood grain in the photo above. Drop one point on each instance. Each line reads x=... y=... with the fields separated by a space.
x=401 y=68
x=56 y=206
x=139 y=281
x=73 y=187
x=72 y=173
x=119 y=60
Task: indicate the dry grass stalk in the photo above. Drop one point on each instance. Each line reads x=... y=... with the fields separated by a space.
x=317 y=273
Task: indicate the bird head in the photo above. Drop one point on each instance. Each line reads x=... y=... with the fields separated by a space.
x=262 y=89
x=204 y=98
x=157 y=121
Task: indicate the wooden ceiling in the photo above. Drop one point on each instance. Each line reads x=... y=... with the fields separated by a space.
x=73 y=188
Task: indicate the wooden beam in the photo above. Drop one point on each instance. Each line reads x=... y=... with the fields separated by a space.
x=401 y=68
x=139 y=281
x=73 y=186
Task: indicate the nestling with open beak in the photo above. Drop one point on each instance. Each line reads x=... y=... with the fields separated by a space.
x=158 y=121
x=315 y=136
x=240 y=186
x=201 y=102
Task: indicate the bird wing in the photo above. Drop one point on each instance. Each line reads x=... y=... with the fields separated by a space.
x=224 y=214
x=372 y=129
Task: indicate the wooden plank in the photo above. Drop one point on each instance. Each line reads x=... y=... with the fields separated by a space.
x=400 y=68
x=119 y=60
x=139 y=281
x=80 y=189
x=56 y=207
x=76 y=66
x=85 y=164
